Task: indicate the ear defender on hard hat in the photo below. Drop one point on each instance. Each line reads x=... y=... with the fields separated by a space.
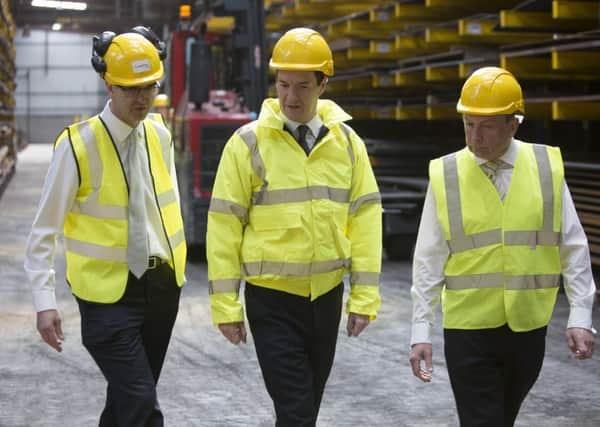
x=302 y=49
x=99 y=48
x=153 y=38
x=491 y=91
x=129 y=59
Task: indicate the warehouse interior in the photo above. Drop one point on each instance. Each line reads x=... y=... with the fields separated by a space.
x=399 y=66
x=399 y=69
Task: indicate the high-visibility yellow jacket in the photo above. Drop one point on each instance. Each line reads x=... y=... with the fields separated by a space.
x=96 y=226
x=291 y=222
x=504 y=264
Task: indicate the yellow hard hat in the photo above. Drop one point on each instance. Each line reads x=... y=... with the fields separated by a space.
x=491 y=91
x=302 y=49
x=161 y=100
x=132 y=60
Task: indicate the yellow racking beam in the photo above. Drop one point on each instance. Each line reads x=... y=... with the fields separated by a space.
x=585 y=10
x=413 y=45
x=409 y=78
x=528 y=67
x=576 y=60
x=442 y=74
x=442 y=36
x=325 y=10
x=540 y=21
x=483 y=31
x=410 y=112
x=419 y=12
x=359 y=28
x=383 y=80
x=469 y=4
x=573 y=110
x=540 y=67
x=359 y=83
x=365 y=54
x=360 y=112
x=441 y=112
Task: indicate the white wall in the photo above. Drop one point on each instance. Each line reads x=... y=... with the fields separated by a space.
x=56 y=83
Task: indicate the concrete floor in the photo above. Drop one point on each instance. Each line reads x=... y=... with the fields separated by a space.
x=208 y=382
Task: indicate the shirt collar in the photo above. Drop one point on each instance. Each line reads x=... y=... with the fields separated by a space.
x=509 y=156
x=313 y=124
x=118 y=129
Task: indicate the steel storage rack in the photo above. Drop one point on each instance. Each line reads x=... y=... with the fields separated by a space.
x=8 y=134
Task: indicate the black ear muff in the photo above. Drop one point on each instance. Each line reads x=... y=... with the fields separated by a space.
x=153 y=38
x=99 y=47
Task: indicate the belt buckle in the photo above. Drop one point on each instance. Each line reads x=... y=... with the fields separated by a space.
x=153 y=262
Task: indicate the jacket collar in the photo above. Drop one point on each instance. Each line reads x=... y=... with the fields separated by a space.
x=330 y=113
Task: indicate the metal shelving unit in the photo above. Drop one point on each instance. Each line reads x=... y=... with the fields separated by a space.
x=8 y=133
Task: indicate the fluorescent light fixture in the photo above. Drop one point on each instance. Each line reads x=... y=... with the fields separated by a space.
x=66 y=5
x=57 y=26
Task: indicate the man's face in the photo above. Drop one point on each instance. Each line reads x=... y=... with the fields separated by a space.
x=132 y=104
x=298 y=93
x=488 y=137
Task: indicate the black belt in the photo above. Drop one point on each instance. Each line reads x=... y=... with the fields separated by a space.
x=154 y=262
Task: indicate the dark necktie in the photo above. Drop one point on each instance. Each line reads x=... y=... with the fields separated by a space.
x=302 y=130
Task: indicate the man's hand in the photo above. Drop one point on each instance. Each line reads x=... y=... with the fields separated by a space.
x=356 y=324
x=235 y=332
x=580 y=342
x=418 y=353
x=49 y=327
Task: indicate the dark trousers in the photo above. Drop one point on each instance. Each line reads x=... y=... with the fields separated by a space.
x=491 y=371
x=128 y=341
x=295 y=343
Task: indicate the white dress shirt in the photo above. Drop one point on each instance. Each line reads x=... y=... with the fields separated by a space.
x=58 y=194
x=314 y=127
x=431 y=254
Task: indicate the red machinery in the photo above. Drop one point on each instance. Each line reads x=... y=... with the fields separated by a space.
x=217 y=82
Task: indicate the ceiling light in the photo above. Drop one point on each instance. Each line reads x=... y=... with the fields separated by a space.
x=57 y=26
x=66 y=5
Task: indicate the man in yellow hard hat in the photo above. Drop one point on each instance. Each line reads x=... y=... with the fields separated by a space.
x=498 y=229
x=161 y=106
x=111 y=191
x=295 y=205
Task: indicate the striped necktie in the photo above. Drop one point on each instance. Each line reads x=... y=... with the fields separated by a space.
x=491 y=168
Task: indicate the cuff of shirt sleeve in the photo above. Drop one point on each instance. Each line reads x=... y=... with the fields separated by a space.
x=580 y=317
x=421 y=333
x=44 y=300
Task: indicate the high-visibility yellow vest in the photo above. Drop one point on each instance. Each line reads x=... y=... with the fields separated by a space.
x=504 y=264
x=293 y=223
x=96 y=227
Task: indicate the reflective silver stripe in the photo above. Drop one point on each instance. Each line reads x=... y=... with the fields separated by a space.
x=92 y=250
x=167 y=198
x=474 y=281
x=364 y=278
x=177 y=239
x=94 y=163
x=92 y=208
x=539 y=281
x=275 y=197
x=293 y=269
x=531 y=238
x=461 y=242
x=346 y=130
x=455 y=218
x=229 y=207
x=223 y=286
x=258 y=166
x=367 y=199
x=545 y=173
x=477 y=240
x=495 y=280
